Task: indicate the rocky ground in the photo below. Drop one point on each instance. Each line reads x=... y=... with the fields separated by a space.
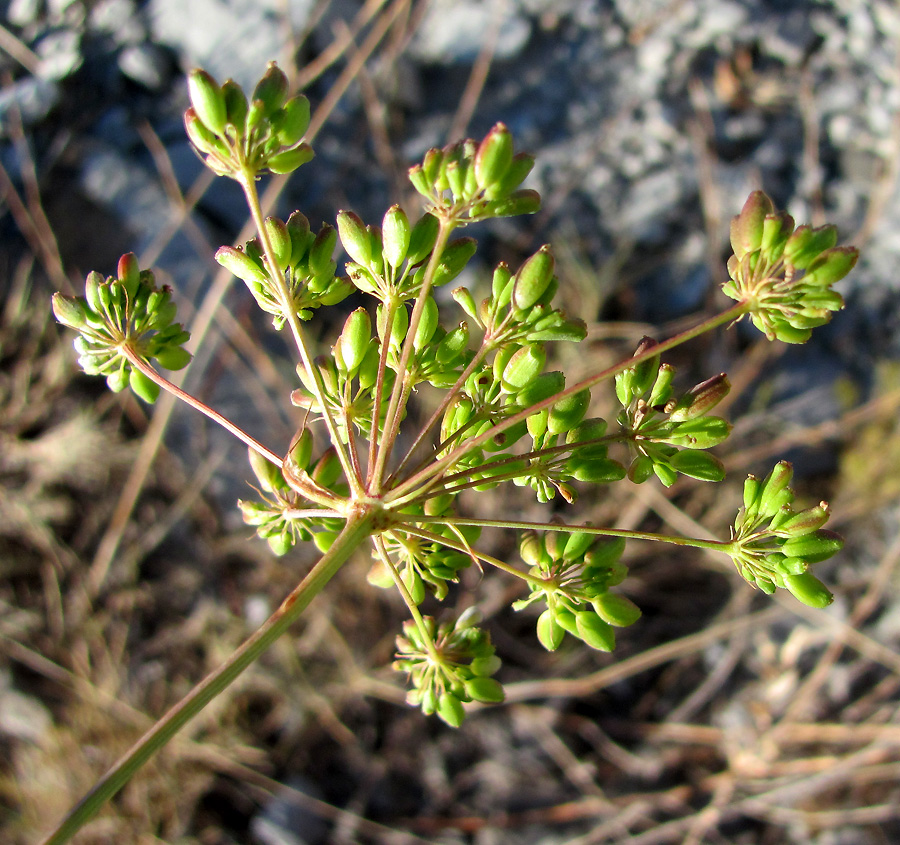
x=723 y=716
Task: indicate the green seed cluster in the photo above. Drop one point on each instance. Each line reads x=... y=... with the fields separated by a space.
x=425 y=565
x=348 y=377
x=665 y=434
x=305 y=259
x=573 y=573
x=126 y=309
x=389 y=262
x=279 y=518
x=473 y=181
x=785 y=274
x=519 y=309
x=448 y=664
x=236 y=136
x=774 y=545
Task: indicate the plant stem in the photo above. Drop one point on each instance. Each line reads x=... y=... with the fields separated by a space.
x=248 y=182
x=310 y=489
x=715 y=545
x=140 y=364
x=459 y=546
x=437 y=467
x=407 y=598
x=435 y=418
x=390 y=312
x=392 y=416
x=354 y=533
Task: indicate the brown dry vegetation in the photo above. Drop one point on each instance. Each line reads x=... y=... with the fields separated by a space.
x=723 y=715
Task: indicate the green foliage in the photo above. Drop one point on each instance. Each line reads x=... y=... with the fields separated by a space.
x=503 y=416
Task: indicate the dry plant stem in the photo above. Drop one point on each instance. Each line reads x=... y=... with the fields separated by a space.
x=248 y=183
x=140 y=364
x=392 y=416
x=357 y=528
x=433 y=471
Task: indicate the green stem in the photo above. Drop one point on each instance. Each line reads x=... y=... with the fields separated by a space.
x=247 y=181
x=435 y=418
x=408 y=599
x=459 y=546
x=390 y=312
x=437 y=467
x=351 y=537
x=392 y=416
x=715 y=545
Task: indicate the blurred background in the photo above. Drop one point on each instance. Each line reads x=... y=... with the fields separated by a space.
x=126 y=573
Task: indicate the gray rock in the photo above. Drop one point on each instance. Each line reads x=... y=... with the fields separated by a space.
x=30 y=99
x=60 y=54
x=229 y=39
x=455 y=30
x=23 y=13
x=145 y=64
x=118 y=19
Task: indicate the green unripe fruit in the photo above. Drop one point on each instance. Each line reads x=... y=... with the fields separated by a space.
x=549 y=632
x=280 y=239
x=396 y=234
x=268 y=474
x=289 y=160
x=806 y=521
x=145 y=388
x=809 y=589
x=322 y=250
x=594 y=631
x=806 y=244
x=353 y=343
x=699 y=465
x=70 y=311
x=453 y=260
x=747 y=227
x=327 y=469
x=814 y=547
x=301 y=449
x=533 y=279
x=208 y=101
x=541 y=388
x=494 y=157
x=775 y=491
x=236 y=105
x=428 y=324
x=569 y=412
x=616 y=610
x=450 y=709
x=519 y=168
x=484 y=689
x=701 y=399
x=293 y=120
x=271 y=90
x=523 y=367
x=128 y=273
x=354 y=237
x=640 y=469
x=576 y=545
x=173 y=358
x=241 y=265
x=518 y=202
